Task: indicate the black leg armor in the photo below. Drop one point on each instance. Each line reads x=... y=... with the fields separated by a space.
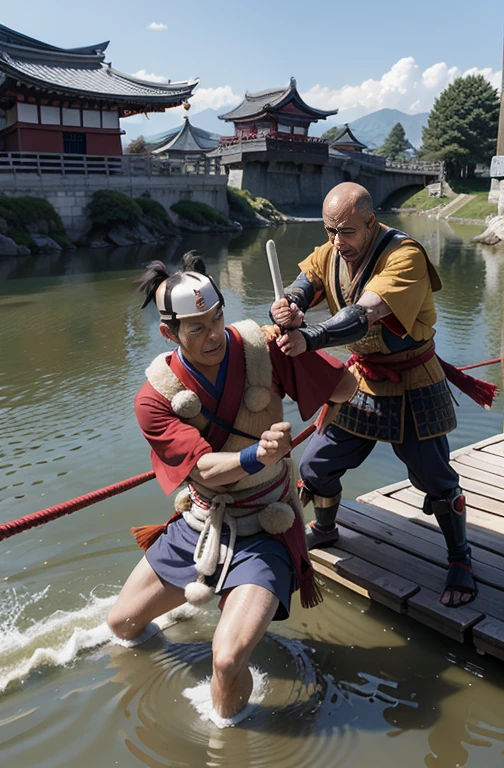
x=451 y=516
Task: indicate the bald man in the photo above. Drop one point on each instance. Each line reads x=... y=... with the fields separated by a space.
x=379 y=284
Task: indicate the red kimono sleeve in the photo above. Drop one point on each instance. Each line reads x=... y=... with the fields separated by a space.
x=309 y=379
x=176 y=446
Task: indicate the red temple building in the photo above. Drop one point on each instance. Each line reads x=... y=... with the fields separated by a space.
x=275 y=112
x=70 y=100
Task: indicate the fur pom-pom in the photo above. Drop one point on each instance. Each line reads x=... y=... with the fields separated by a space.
x=276 y=518
x=257 y=398
x=183 y=501
x=198 y=593
x=186 y=404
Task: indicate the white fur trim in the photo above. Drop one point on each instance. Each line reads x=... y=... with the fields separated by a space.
x=276 y=518
x=257 y=398
x=257 y=359
x=162 y=378
x=183 y=501
x=186 y=404
x=198 y=593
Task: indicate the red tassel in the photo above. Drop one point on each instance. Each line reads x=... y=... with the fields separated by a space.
x=481 y=392
x=309 y=590
x=146 y=535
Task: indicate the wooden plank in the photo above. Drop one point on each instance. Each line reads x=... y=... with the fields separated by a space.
x=488 y=636
x=486 y=461
x=386 y=489
x=482 y=476
x=427 y=538
x=483 y=489
x=497 y=449
x=488 y=600
x=331 y=575
x=478 y=446
x=382 y=586
x=426 y=608
x=474 y=502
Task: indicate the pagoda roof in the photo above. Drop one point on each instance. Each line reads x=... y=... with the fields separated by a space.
x=185 y=138
x=347 y=138
x=82 y=72
x=262 y=103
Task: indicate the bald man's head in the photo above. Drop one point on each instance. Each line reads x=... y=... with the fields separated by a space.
x=349 y=219
x=348 y=195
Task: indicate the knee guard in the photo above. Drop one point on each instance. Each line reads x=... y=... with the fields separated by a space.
x=450 y=514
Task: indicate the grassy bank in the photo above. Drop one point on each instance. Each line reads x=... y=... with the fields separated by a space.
x=476 y=208
x=422 y=201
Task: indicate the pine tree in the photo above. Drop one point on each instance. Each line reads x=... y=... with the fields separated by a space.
x=332 y=133
x=395 y=143
x=462 y=126
x=136 y=147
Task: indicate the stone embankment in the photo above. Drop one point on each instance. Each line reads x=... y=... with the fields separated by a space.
x=31 y=225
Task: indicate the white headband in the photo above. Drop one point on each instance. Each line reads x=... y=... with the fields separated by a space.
x=193 y=295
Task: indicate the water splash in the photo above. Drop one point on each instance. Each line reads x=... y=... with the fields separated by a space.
x=58 y=639
x=201 y=699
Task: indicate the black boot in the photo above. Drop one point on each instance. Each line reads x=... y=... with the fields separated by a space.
x=450 y=513
x=323 y=531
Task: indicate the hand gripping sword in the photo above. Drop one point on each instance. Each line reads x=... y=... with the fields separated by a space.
x=276 y=277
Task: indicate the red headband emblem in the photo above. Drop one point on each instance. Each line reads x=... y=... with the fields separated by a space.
x=200 y=301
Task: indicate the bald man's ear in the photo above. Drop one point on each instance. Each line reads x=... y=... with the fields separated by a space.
x=372 y=221
x=165 y=331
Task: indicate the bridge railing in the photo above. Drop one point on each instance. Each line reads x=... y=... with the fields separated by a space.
x=416 y=165
x=127 y=165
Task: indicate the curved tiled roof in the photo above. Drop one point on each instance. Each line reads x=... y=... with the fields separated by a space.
x=271 y=99
x=188 y=138
x=81 y=71
x=347 y=138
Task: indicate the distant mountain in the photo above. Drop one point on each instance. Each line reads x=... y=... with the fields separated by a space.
x=208 y=120
x=373 y=129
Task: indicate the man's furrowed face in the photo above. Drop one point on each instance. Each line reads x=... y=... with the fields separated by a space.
x=349 y=230
x=201 y=338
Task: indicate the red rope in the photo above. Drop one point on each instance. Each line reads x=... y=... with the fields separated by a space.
x=73 y=505
x=52 y=513
x=479 y=365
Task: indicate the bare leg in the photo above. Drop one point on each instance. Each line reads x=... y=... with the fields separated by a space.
x=143 y=597
x=247 y=613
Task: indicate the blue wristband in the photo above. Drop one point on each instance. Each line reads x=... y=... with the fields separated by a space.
x=249 y=461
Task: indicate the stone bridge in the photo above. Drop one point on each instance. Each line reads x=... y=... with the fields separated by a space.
x=297 y=174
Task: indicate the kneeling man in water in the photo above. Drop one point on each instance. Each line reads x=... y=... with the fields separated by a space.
x=212 y=413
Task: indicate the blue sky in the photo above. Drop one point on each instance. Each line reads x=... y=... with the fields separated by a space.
x=355 y=56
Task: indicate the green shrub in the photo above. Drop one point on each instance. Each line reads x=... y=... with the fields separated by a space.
x=240 y=203
x=19 y=212
x=153 y=209
x=244 y=205
x=62 y=240
x=108 y=209
x=23 y=238
x=201 y=214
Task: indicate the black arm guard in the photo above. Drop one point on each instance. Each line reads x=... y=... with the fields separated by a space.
x=300 y=292
x=346 y=326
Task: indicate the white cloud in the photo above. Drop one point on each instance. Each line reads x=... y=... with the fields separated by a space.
x=156 y=26
x=403 y=87
x=215 y=98
x=142 y=74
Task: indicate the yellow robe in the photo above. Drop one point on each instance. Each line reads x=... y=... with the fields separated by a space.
x=405 y=279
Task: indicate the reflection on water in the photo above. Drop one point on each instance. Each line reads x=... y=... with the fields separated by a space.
x=348 y=683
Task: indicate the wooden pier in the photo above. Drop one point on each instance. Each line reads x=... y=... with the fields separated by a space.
x=391 y=552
